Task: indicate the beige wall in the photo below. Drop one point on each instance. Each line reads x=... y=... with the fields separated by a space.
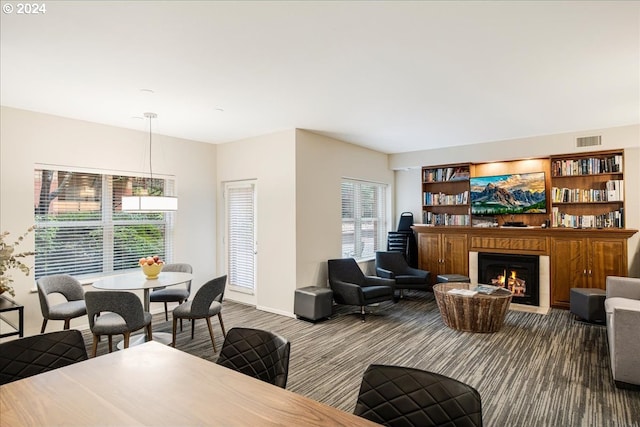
x=27 y=138
x=321 y=163
x=408 y=174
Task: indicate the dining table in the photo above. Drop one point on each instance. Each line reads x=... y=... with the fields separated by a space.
x=138 y=281
x=157 y=385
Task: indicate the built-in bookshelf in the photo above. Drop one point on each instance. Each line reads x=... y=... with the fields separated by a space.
x=588 y=190
x=445 y=195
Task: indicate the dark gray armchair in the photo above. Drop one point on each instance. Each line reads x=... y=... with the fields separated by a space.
x=393 y=265
x=351 y=287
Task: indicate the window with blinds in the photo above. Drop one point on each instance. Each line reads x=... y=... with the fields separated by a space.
x=240 y=235
x=364 y=229
x=81 y=229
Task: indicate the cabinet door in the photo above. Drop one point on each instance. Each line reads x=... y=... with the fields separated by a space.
x=430 y=253
x=606 y=258
x=455 y=254
x=568 y=268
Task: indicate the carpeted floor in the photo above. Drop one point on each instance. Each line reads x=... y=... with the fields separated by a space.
x=537 y=371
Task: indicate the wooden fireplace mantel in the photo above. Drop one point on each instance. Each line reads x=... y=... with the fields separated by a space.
x=579 y=258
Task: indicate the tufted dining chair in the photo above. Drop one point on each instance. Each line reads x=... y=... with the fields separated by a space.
x=67 y=286
x=24 y=357
x=257 y=353
x=114 y=313
x=206 y=303
x=397 y=396
x=172 y=294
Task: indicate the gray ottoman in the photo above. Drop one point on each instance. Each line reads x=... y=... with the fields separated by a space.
x=587 y=304
x=313 y=303
x=445 y=278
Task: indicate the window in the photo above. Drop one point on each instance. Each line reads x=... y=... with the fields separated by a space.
x=364 y=213
x=240 y=207
x=81 y=229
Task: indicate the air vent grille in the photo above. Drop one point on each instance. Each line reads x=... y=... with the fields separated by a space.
x=588 y=141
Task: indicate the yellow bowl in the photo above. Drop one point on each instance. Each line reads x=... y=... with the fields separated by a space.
x=152 y=271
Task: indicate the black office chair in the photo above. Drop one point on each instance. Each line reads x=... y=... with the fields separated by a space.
x=393 y=265
x=24 y=357
x=396 y=396
x=257 y=353
x=351 y=287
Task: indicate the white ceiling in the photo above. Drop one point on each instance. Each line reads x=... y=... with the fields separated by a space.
x=389 y=75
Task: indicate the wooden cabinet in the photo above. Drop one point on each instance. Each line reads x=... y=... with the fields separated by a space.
x=588 y=190
x=582 y=262
x=445 y=195
x=443 y=253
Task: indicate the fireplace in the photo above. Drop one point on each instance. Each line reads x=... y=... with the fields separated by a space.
x=518 y=273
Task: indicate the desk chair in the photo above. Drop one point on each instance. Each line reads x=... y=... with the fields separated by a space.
x=397 y=396
x=70 y=289
x=24 y=357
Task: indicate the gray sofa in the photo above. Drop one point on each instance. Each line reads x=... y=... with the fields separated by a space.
x=622 y=308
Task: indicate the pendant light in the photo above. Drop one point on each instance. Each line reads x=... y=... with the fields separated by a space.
x=149 y=203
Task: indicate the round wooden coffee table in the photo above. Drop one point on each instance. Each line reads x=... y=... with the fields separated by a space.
x=477 y=313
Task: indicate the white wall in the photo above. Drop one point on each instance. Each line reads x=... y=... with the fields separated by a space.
x=408 y=176
x=270 y=159
x=321 y=163
x=28 y=138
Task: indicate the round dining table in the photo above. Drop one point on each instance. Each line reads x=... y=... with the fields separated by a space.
x=137 y=280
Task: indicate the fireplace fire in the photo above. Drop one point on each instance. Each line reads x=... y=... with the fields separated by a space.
x=517 y=273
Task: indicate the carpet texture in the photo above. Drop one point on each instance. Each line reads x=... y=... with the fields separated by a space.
x=537 y=371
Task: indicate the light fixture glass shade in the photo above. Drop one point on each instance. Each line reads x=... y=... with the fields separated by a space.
x=149 y=203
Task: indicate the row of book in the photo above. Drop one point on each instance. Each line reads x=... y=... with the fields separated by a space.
x=445 y=174
x=446 y=199
x=613 y=192
x=613 y=219
x=587 y=166
x=445 y=219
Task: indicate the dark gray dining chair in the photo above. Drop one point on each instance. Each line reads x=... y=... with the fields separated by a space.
x=172 y=293
x=67 y=286
x=397 y=396
x=24 y=357
x=206 y=303
x=257 y=353
x=114 y=313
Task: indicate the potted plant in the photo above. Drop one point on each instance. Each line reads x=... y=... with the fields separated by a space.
x=9 y=260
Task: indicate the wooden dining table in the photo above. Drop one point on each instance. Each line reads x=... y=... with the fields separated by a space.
x=156 y=385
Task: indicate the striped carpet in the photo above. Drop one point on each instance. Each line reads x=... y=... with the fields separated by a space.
x=537 y=371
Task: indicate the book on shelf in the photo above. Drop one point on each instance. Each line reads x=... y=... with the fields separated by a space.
x=615 y=190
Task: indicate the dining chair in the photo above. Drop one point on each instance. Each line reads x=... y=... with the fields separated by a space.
x=397 y=396
x=67 y=286
x=114 y=313
x=172 y=294
x=206 y=303
x=24 y=357
x=257 y=353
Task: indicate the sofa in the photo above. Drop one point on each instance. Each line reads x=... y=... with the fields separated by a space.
x=622 y=310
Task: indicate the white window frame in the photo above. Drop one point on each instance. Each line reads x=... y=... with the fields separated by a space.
x=353 y=247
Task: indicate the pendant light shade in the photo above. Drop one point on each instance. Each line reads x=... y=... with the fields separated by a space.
x=146 y=203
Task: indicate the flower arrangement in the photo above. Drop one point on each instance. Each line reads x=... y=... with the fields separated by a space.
x=9 y=260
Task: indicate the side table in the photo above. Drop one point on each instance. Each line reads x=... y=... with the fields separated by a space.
x=7 y=305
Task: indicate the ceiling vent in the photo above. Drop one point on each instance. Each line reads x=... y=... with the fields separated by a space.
x=588 y=141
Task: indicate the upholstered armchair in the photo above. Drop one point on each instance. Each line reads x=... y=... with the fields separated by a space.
x=622 y=310
x=351 y=287
x=393 y=265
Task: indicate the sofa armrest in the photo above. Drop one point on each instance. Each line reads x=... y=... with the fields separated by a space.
x=624 y=287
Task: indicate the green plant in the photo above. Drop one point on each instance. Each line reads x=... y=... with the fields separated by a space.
x=10 y=260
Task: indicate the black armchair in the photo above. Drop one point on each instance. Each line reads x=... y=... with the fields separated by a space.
x=351 y=287
x=392 y=265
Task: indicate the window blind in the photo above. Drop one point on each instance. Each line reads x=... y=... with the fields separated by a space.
x=364 y=229
x=82 y=231
x=241 y=244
